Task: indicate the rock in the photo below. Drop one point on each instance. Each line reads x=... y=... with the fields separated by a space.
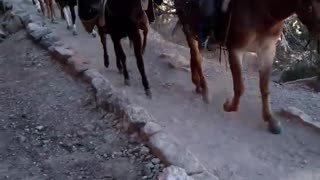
x=5 y=6
x=8 y=6
x=144 y=150
x=175 y=61
x=92 y=73
x=49 y=40
x=21 y=138
x=151 y=128
x=175 y=154
x=101 y=85
x=2 y=34
x=61 y=52
x=137 y=116
x=149 y=165
x=299 y=114
x=78 y=63
x=39 y=127
x=174 y=173
x=11 y=23
x=155 y=161
x=148 y=169
x=37 y=31
x=204 y=176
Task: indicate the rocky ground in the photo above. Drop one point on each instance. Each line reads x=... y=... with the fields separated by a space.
x=50 y=127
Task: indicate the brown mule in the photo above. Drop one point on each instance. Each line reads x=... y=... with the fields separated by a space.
x=47 y=8
x=118 y=21
x=247 y=26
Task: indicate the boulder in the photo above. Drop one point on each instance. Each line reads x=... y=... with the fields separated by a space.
x=174 y=173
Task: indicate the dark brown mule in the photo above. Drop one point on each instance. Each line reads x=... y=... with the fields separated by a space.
x=121 y=18
x=247 y=26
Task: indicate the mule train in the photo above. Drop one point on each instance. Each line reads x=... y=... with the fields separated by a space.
x=239 y=26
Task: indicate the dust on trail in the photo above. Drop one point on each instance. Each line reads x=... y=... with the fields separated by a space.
x=50 y=127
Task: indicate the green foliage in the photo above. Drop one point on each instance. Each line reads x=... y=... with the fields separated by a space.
x=301 y=61
x=298 y=71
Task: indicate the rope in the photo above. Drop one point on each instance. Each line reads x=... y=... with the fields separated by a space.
x=224 y=44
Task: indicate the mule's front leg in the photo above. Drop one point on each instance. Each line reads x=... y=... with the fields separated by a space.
x=196 y=69
x=145 y=28
x=121 y=58
x=194 y=73
x=66 y=15
x=235 y=58
x=266 y=59
x=136 y=38
x=73 y=17
x=104 y=45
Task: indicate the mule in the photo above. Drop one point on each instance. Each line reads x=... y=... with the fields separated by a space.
x=119 y=19
x=246 y=26
x=47 y=8
x=38 y=5
x=64 y=5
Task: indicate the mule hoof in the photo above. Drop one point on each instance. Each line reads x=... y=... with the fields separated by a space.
x=127 y=82
x=68 y=27
x=106 y=64
x=275 y=127
x=94 y=35
x=206 y=98
x=198 y=90
x=75 y=33
x=148 y=93
x=228 y=106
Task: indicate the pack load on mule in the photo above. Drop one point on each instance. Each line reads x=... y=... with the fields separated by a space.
x=242 y=26
x=119 y=19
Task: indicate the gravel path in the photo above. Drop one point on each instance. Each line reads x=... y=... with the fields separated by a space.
x=50 y=128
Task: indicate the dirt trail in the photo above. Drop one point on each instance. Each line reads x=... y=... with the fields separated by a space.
x=234 y=146
x=50 y=128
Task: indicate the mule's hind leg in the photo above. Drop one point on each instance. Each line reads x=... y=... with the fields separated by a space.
x=145 y=28
x=136 y=38
x=121 y=59
x=73 y=17
x=235 y=58
x=50 y=9
x=42 y=7
x=196 y=70
x=104 y=45
x=66 y=15
x=194 y=73
x=266 y=59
